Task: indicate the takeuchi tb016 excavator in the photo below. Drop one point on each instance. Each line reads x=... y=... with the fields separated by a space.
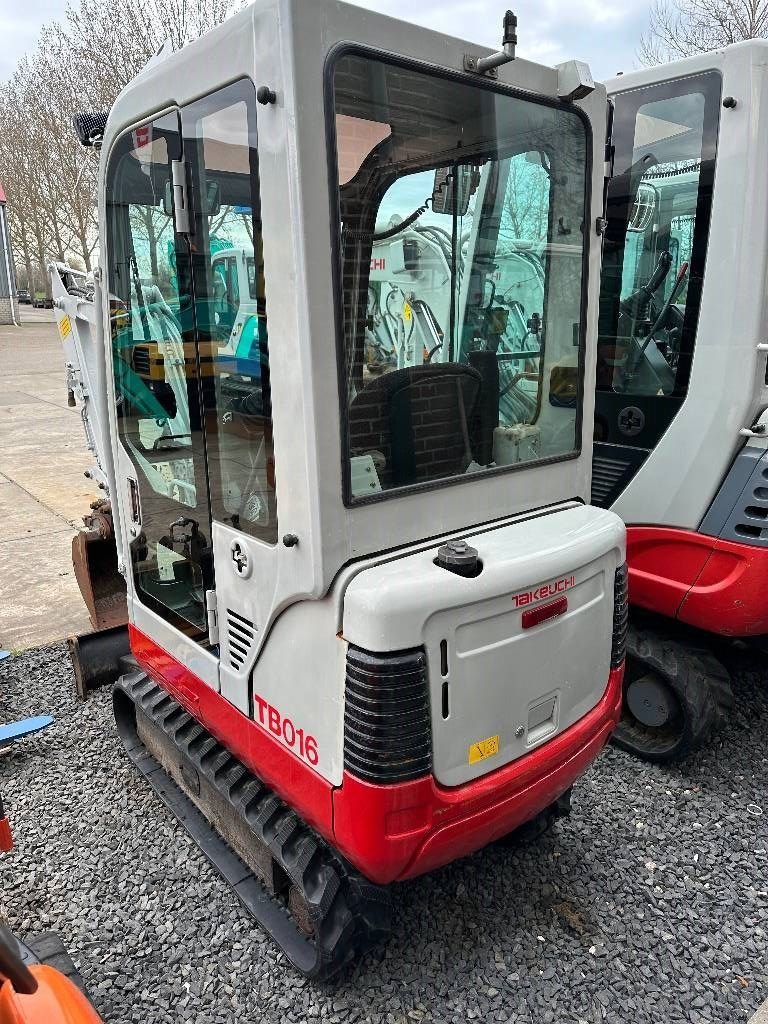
x=345 y=446
x=681 y=425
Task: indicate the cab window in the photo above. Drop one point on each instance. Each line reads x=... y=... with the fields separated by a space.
x=461 y=268
x=655 y=249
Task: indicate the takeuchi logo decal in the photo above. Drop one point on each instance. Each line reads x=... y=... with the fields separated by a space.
x=543 y=591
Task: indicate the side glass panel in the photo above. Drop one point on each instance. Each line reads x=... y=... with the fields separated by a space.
x=462 y=271
x=230 y=308
x=655 y=248
x=156 y=381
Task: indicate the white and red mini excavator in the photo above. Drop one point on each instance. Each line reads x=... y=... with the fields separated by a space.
x=374 y=624
x=681 y=414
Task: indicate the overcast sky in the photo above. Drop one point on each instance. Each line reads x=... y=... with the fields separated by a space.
x=604 y=34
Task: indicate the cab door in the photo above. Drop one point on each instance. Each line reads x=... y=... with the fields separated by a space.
x=161 y=470
x=195 y=454
x=221 y=157
x=658 y=211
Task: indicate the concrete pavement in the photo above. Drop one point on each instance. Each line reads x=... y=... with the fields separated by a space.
x=43 y=492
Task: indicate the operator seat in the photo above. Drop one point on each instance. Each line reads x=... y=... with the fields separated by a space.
x=421 y=418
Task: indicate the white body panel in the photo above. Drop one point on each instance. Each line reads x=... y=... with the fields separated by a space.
x=80 y=329
x=677 y=483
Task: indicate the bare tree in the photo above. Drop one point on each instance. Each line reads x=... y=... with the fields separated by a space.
x=79 y=63
x=110 y=42
x=679 y=28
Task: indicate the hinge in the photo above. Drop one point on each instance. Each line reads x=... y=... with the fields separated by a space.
x=212 y=616
x=181 y=217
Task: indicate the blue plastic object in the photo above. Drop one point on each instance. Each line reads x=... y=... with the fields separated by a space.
x=26 y=727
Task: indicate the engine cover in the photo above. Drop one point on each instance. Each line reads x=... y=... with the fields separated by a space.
x=515 y=654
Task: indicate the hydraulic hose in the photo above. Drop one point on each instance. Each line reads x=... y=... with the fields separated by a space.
x=381 y=236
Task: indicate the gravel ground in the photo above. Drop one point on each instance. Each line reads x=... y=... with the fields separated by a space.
x=648 y=904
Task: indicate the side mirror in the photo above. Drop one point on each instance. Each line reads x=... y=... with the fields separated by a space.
x=453 y=188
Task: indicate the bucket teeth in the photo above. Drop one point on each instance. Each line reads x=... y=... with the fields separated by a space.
x=313 y=904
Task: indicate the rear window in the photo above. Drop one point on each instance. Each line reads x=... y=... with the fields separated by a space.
x=461 y=268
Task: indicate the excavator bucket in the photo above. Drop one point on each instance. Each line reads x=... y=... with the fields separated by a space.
x=97 y=658
x=103 y=588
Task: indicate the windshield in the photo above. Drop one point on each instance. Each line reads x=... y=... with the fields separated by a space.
x=655 y=248
x=461 y=215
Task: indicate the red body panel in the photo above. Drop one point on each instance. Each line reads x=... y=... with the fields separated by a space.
x=404 y=830
x=716 y=585
x=398 y=831
x=291 y=778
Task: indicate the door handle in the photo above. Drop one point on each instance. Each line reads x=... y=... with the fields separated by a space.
x=133 y=490
x=135 y=507
x=240 y=559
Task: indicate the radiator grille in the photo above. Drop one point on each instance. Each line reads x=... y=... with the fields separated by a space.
x=608 y=475
x=141 y=359
x=740 y=509
x=387 y=732
x=620 y=615
x=751 y=519
x=240 y=637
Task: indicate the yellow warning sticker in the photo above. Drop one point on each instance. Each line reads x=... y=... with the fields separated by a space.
x=407 y=312
x=65 y=327
x=483 y=748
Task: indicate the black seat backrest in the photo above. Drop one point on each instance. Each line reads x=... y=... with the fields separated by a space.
x=420 y=418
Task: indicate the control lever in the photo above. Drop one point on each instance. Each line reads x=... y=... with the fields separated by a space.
x=681 y=276
x=635 y=303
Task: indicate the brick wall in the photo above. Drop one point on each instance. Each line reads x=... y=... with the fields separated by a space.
x=8 y=307
x=355 y=138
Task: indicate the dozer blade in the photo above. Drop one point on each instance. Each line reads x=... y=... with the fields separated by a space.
x=94 y=559
x=320 y=912
x=98 y=658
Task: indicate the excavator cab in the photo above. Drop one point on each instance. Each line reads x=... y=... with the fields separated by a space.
x=348 y=295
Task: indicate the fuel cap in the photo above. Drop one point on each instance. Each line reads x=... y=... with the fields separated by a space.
x=459 y=557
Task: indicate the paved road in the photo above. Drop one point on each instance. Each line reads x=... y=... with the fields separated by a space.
x=43 y=492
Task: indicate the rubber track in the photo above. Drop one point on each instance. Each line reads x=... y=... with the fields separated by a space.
x=347 y=914
x=698 y=679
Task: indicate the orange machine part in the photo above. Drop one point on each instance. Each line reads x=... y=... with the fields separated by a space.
x=57 y=1001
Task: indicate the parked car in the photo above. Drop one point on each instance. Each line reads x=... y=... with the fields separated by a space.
x=23 y=296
